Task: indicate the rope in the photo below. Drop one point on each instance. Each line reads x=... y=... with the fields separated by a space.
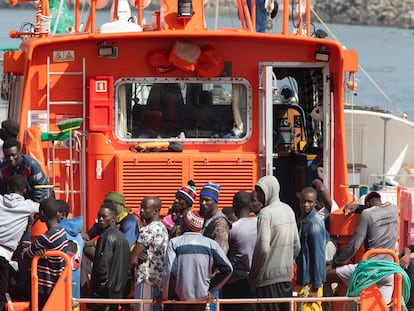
x=369 y=272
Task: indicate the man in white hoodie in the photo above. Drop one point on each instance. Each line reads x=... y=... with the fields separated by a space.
x=14 y=213
x=276 y=247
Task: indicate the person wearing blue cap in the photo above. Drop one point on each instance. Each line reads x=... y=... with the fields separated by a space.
x=216 y=225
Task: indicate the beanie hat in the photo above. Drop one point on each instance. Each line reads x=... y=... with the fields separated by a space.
x=118 y=199
x=9 y=129
x=211 y=190
x=193 y=221
x=187 y=193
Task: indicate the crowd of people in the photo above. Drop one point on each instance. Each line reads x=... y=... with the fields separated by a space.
x=197 y=252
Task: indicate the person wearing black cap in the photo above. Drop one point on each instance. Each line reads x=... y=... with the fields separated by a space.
x=184 y=200
x=9 y=129
x=185 y=197
x=364 y=202
x=377 y=228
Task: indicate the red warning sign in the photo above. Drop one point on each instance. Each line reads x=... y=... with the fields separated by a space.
x=101 y=86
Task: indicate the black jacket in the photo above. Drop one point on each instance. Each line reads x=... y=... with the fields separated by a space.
x=110 y=270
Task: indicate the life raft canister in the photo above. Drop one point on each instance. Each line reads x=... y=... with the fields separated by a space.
x=158 y=61
x=184 y=55
x=210 y=63
x=33 y=147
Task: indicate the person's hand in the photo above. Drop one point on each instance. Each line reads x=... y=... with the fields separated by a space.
x=31 y=220
x=405 y=261
x=406 y=258
x=85 y=236
x=142 y=258
x=318 y=185
x=158 y=301
x=210 y=297
x=313 y=294
x=350 y=209
x=90 y=243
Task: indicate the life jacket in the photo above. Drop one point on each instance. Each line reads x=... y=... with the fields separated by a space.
x=210 y=63
x=32 y=146
x=158 y=61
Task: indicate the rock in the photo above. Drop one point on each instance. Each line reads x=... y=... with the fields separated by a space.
x=397 y=13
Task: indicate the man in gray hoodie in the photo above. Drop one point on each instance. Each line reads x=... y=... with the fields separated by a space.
x=14 y=213
x=276 y=247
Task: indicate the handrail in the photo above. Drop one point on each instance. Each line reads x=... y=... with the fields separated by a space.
x=304 y=8
x=397 y=294
x=381 y=251
x=306 y=11
x=66 y=275
x=218 y=301
x=384 y=176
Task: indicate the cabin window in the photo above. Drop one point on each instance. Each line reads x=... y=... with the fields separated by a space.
x=173 y=109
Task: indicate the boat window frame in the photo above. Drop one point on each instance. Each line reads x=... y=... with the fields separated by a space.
x=328 y=117
x=192 y=80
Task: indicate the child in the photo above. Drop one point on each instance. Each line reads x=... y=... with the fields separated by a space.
x=50 y=268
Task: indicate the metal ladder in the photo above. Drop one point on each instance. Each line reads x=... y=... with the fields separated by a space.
x=76 y=144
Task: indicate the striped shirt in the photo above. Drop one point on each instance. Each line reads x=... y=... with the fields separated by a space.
x=48 y=268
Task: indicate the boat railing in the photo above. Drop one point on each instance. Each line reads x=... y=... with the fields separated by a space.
x=293 y=301
x=386 y=181
x=302 y=13
x=63 y=287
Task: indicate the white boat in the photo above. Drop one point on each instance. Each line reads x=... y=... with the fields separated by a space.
x=380 y=149
x=379 y=143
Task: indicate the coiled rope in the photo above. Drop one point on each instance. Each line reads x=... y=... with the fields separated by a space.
x=370 y=272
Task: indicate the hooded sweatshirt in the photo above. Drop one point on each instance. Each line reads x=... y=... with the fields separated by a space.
x=277 y=242
x=73 y=227
x=14 y=212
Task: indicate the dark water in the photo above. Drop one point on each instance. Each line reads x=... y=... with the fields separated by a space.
x=385 y=53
